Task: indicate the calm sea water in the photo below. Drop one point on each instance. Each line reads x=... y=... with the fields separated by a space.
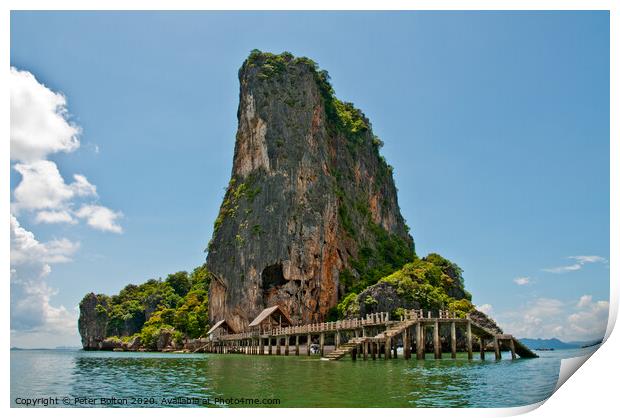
x=156 y=379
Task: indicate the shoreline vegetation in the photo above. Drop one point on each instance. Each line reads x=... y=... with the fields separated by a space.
x=170 y=314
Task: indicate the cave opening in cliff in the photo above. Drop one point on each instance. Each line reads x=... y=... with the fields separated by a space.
x=272 y=277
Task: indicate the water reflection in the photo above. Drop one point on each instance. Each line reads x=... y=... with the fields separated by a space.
x=296 y=381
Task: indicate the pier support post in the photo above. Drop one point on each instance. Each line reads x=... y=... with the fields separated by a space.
x=453 y=339
x=278 y=352
x=424 y=340
x=436 y=340
x=269 y=345
x=498 y=352
x=297 y=344
x=470 y=354
x=261 y=346
x=388 y=347
x=482 y=343
x=308 y=342
x=286 y=343
x=373 y=349
x=406 y=347
x=419 y=346
x=512 y=349
x=365 y=350
x=322 y=343
x=337 y=339
x=395 y=348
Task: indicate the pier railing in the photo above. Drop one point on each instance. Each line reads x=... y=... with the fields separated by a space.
x=374 y=319
x=374 y=334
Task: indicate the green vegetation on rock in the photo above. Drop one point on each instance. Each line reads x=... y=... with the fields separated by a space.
x=236 y=191
x=179 y=305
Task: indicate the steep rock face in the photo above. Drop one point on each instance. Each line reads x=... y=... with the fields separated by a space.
x=93 y=322
x=308 y=192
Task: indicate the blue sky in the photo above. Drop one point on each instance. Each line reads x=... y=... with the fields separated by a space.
x=497 y=125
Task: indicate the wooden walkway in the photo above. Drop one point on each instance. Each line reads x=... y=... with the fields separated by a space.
x=374 y=336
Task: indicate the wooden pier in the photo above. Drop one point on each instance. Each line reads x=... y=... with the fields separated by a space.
x=372 y=337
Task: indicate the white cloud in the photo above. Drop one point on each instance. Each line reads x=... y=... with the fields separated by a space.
x=100 y=217
x=564 y=269
x=54 y=217
x=81 y=186
x=42 y=187
x=580 y=261
x=39 y=124
x=591 y=319
x=584 y=301
x=40 y=127
x=588 y=259
x=25 y=249
x=31 y=308
x=580 y=320
x=486 y=308
x=522 y=281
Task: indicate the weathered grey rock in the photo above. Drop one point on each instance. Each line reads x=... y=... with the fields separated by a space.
x=111 y=343
x=132 y=345
x=297 y=209
x=164 y=340
x=382 y=297
x=93 y=322
x=485 y=321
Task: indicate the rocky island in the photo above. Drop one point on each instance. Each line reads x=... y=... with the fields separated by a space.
x=310 y=222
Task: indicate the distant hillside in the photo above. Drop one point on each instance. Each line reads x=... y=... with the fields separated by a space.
x=554 y=343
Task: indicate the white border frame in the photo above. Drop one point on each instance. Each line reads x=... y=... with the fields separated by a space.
x=591 y=392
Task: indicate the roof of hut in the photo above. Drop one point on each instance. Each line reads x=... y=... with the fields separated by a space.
x=266 y=313
x=219 y=324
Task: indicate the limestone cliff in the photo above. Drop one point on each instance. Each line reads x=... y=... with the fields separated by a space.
x=311 y=210
x=93 y=321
